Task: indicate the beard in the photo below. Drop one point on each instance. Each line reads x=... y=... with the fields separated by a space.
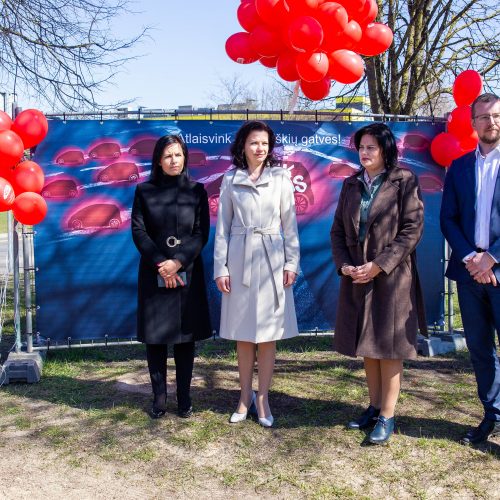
x=490 y=136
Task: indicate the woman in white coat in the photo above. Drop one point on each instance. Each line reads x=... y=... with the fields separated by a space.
x=256 y=260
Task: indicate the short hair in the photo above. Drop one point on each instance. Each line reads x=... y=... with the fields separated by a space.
x=161 y=144
x=238 y=146
x=385 y=139
x=486 y=97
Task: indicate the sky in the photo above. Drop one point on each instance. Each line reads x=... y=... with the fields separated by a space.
x=184 y=58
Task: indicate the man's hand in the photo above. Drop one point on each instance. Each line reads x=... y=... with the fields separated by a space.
x=480 y=268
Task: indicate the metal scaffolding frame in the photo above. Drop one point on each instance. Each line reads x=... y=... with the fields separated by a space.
x=33 y=343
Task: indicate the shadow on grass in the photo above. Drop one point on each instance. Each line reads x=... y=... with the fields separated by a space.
x=291 y=412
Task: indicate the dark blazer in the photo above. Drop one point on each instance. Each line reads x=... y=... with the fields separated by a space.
x=380 y=319
x=458 y=217
x=171 y=206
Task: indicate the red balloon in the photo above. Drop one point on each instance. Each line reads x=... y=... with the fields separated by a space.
x=316 y=90
x=469 y=142
x=265 y=42
x=7 y=195
x=286 y=67
x=369 y=13
x=459 y=122
x=239 y=50
x=269 y=62
x=345 y=40
x=273 y=12
x=445 y=148
x=11 y=148
x=468 y=85
x=31 y=126
x=333 y=18
x=377 y=38
x=5 y=121
x=27 y=176
x=29 y=208
x=302 y=7
x=345 y=66
x=305 y=34
x=354 y=8
x=248 y=16
x=312 y=67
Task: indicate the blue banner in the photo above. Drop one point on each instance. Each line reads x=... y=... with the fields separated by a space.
x=86 y=261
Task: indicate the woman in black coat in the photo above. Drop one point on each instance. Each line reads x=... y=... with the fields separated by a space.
x=170 y=226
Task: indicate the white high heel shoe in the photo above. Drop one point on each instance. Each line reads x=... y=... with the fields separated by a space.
x=239 y=417
x=266 y=421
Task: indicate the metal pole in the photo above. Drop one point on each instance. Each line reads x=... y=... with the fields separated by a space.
x=15 y=269
x=27 y=289
x=10 y=250
x=449 y=288
x=17 y=309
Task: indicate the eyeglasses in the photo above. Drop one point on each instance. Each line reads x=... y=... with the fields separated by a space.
x=487 y=117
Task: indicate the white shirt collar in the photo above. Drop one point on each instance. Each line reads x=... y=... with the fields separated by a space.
x=478 y=151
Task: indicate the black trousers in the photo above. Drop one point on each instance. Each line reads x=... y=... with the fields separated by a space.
x=157 y=363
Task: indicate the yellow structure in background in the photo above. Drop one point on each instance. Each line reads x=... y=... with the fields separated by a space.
x=346 y=109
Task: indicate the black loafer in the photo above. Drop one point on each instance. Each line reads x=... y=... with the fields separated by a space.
x=185 y=413
x=482 y=432
x=367 y=420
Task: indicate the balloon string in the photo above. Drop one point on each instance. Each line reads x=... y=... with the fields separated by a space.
x=294 y=98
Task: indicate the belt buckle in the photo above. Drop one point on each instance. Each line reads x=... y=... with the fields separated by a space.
x=172 y=242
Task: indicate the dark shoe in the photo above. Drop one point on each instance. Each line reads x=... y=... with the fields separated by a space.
x=383 y=430
x=185 y=413
x=481 y=433
x=367 y=419
x=156 y=413
x=159 y=407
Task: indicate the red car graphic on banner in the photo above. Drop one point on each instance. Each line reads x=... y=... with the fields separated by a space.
x=143 y=147
x=430 y=183
x=197 y=158
x=340 y=169
x=120 y=171
x=301 y=180
x=105 y=150
x=96 y=216
x=415 y=142
x=60 y=188
x=71 y=157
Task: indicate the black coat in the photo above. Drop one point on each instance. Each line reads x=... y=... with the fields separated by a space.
x=171 y=206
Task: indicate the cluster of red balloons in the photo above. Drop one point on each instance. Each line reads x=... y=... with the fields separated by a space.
x=460 y=137
x=311 y=41
x=22 y=181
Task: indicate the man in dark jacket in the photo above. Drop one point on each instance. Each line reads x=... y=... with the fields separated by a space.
x=470 y=221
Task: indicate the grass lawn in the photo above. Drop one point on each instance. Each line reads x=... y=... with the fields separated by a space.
x=80 y=435
x=3 y=222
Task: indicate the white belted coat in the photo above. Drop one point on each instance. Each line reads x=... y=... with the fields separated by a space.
x=256 y=240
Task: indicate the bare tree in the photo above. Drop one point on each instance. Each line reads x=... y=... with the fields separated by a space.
x=434 y=40
x=231 y=91
x=62 y=50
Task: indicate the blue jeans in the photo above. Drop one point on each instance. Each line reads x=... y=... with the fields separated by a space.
x=480 y=308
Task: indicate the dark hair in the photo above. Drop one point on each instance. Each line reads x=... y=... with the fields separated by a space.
x=238 y=146
x=161 y=144
x=487 y=97
x=385 y=139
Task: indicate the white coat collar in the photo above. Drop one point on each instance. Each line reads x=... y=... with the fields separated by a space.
x=242 y=178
